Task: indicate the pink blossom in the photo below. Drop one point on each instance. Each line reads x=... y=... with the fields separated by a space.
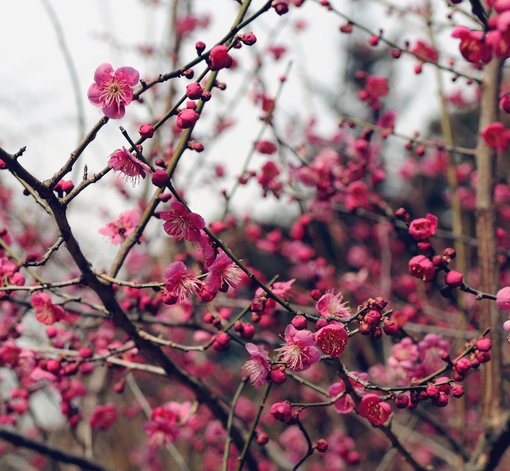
x=454 y=279
x=421 y=267
x=219 y=58
x=425 y=51
x=472 y=45
x=162 y=428
x=265 y=147
x=187 y=118
x=181 y=283
x=496 y=136
x=38 y=374
x=181 y=223
x=194 y=91
x=126 y=163
x=331 y=304
x=403 y=360
x=222 y=273
x=503 y=299
x=376 y=86
x=372 y=408
x=258 y=365
x=300 y=351
x=121 y=228
x=45 y=311
x=9 y=275
x=357 y=195
x=345 y=404
x=281 y=411
x=104 y=417
x=146 y=131
x=431 y=349
x=331 y=339
x=423 y=228
x=113 y=90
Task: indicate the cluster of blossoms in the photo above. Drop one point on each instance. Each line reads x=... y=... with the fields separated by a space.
x=189 y=318
x=479 y=46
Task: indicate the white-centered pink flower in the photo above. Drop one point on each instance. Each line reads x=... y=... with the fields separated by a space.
x=223 y=273
x=331 y=305
x=112 y=90
x=130 y=166
x=181 y=283
x=300 y=352
x=258 y=365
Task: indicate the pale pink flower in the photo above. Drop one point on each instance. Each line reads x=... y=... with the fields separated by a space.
x=45 y=311
x=181 y=223
x=119 y=229
x=181 y=283
x=222 y=273
x=258 y=365
x=331 y=305
x=431 y=349
x=126 y=163
x=113 y=90
x=300 y=351
x=280 y=288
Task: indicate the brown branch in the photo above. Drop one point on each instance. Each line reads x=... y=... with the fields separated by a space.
x=485 y=231
x=53 y=453
x=491 y=447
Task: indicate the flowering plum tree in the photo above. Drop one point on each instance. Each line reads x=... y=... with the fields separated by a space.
x=360 y=324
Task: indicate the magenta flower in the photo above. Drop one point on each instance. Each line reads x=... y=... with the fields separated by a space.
x=45 y=311
x=372 y=408
x=421 y=267
x=222 y=273
x=331 y=305
x=181 y=223
x=503 y=299
x=181 y=283
x=126 y=163
x=113 y=90
x=345 y=404
x=331 y=339
x=219 y=58
x=423 y=228
x=300 y=351
x=281 y=411
x=258 y=365
x=162 y=428
x=496 y=136
x=187 y=118
x=118 y=230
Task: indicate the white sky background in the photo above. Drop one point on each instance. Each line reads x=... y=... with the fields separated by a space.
x=37 y=103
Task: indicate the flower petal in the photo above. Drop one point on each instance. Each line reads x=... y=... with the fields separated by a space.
x=114 y=110
x=94 y=95
x=104 y=73
x=128 y=75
